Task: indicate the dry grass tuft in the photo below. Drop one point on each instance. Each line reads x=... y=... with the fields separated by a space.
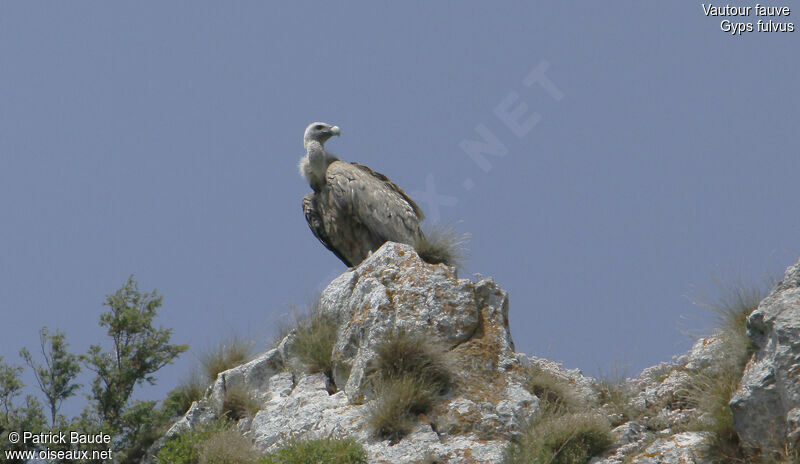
x=315 y=336
x=191 y=389
x=412 y=374
x=570 y=438
x=615 y=393
x=326 y=450
x=238 y=404
x=399 y=401
x=403 y=353
x=232 y=352
x=711 y=389
x=227 y=446
x=562 y=431
x=554 y=392
x=442 y=244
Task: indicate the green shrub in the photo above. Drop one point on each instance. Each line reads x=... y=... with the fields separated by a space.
x=560 y=433
x=710 y=392
x=227 y=446
x=442 y=244
x=184 y=448
x=571 y=438
x=399 y=401
x=238 y=404
x=614 y=392
x=232 y=352
x=711 y=389
x=217 y=443
x=180 y=399
x=554 y=392
x=403 y=353
x=732 y=308
x=327 y=450
x=411 y=375
x=315 y=335
x=145 y=423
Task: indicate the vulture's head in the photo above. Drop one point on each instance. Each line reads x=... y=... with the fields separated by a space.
x=320 y=132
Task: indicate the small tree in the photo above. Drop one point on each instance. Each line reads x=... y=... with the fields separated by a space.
x=139 y=350
x=143 y=423
x=10 y=386
x=17 y=419
x=60 y=368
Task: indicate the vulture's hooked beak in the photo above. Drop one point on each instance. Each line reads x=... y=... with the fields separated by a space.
x=336 y=131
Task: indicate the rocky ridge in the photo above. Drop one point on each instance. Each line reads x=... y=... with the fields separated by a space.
x=490 y=404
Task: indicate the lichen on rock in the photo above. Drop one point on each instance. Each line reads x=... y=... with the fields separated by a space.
x=487 y=402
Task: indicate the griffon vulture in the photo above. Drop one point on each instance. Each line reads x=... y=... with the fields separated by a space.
x=353 y=210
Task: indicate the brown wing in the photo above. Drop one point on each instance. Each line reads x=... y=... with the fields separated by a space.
x=315 y=223
x=393 y=186
x=374 y=201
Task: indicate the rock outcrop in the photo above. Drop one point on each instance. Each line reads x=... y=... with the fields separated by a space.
x=490 y=403
x=393 y=289
x=686 y=447
x=766 y=407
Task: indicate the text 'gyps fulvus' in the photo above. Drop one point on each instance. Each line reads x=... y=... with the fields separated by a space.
x=353 y=210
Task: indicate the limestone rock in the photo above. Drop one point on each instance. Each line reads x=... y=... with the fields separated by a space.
x=766 y=407
x=309 y=408
x=583 y=387
x=683 y=448
x=629 y=432
x=310 y=411
x=488 y=404
x=253 y=377
x=423 y=446
x=198 y=415
x=705 y=353
x=394 y=289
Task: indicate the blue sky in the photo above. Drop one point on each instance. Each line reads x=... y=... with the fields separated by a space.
x=161 y=139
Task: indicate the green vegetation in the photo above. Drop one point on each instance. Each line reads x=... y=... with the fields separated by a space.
x=55 y=377
x=13 y=416
x=232 y=352
x=568 y=438
x=217 y=443
x=554 y=392
x=403 y=353
x=442 y=244
x=238 y=404
x=327 y=450
x=560 y=432
x=411 y=376
x=711 y=389
x=180 y=399
x=141 y=424
x=227 y=446
x=314 y=337
x=137 y=351
x=185 y=447
x=615 y=393
x=221 y=443
x=399 y=401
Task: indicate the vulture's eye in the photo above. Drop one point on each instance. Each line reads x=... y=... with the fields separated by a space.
x=319 y=127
